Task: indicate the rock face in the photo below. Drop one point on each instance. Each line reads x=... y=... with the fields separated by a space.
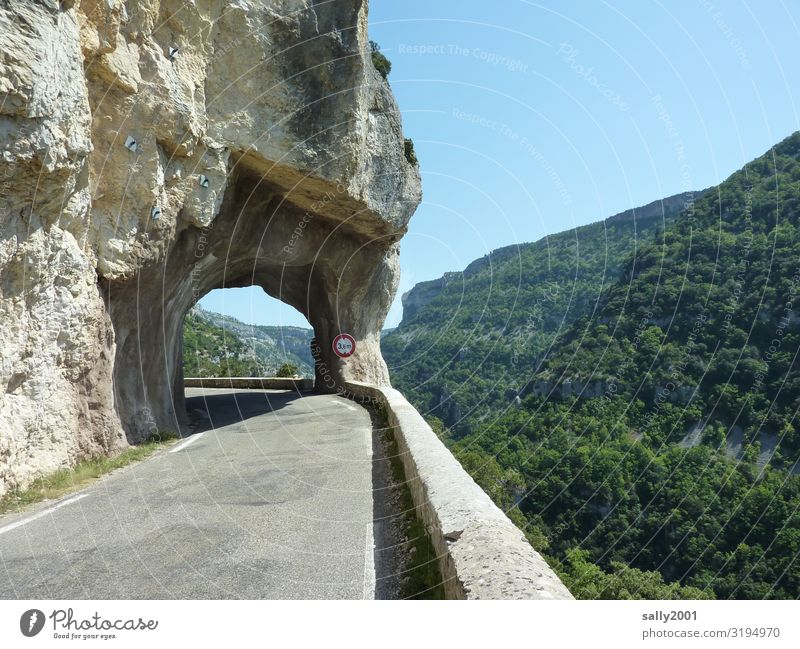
x=153 y=151
x=423 y=293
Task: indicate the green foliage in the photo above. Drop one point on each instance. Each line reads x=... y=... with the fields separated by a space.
x=218 y=346
x=586 y=580
x=408 y=150
x=161 y=437
x=711 y=305
x=576 y=473
x=64 y=481
x=211 y=351
x=569 y=372
x=287 y=370
x=379 y=60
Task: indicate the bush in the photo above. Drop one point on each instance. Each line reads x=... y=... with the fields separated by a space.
x=408 y=149
x=287 y=370
x=381 y=63
x=586 y=580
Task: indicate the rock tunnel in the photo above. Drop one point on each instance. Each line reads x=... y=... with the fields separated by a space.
x=159 y=150
x=342 y=279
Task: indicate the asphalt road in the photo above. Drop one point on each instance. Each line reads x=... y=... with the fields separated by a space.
x=273 y=500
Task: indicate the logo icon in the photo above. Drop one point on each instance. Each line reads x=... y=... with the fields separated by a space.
x=31 y=622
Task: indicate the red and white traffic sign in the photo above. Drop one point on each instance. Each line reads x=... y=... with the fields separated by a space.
x=344 y=345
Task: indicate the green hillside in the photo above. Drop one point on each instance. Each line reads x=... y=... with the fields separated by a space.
x=469 y=341
x=702 y=329
x=220 y=345
x=210 y=351
x=635 y=416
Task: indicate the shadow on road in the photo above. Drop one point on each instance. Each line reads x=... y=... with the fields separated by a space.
x=210 y=411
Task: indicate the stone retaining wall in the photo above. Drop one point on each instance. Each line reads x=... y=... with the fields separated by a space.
x=482 y=554
x=248 y=383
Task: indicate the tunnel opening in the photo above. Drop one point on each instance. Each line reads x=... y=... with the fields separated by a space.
x=338 y=277
x=243 y=332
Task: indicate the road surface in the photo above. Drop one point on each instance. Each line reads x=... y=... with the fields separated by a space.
x=271 y=500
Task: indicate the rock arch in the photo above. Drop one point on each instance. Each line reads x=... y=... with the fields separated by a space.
x=160 y=149
x=341 y=279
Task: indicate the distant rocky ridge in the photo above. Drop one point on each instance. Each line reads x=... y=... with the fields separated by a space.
x=644 y=217
x=267 y=346
x=472 y=340
x=630 y=394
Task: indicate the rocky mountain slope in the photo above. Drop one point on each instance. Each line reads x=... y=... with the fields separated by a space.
x=469 y=340
x=155 y=150
x=220 y=345
x=706 y=319
x=632 y=403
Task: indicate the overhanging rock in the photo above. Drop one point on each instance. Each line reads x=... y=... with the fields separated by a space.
x=155 y=150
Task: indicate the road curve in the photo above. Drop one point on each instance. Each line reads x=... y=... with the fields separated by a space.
x=271 y=499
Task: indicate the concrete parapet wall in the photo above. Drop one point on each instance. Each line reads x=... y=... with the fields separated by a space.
x=250 y=383
x=482 y=554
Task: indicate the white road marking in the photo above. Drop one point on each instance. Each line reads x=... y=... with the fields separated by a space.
x=42 y=513
x=189 y=440
x=346 y=405
x=369 y=565
x=368 y=440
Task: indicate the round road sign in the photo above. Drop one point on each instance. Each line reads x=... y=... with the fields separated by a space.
x=344 y=345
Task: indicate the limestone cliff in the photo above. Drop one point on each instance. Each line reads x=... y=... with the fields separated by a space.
x=151 y=151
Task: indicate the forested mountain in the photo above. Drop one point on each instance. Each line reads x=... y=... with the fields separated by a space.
x=703 y=326
x=220 y=345
x=632 y=405
x=470 y=340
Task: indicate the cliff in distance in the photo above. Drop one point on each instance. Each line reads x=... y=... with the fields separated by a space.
x=220 y=345
x=470 y=340
x=629 y=396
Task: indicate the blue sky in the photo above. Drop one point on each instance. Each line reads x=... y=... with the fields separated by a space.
x=532 y=118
